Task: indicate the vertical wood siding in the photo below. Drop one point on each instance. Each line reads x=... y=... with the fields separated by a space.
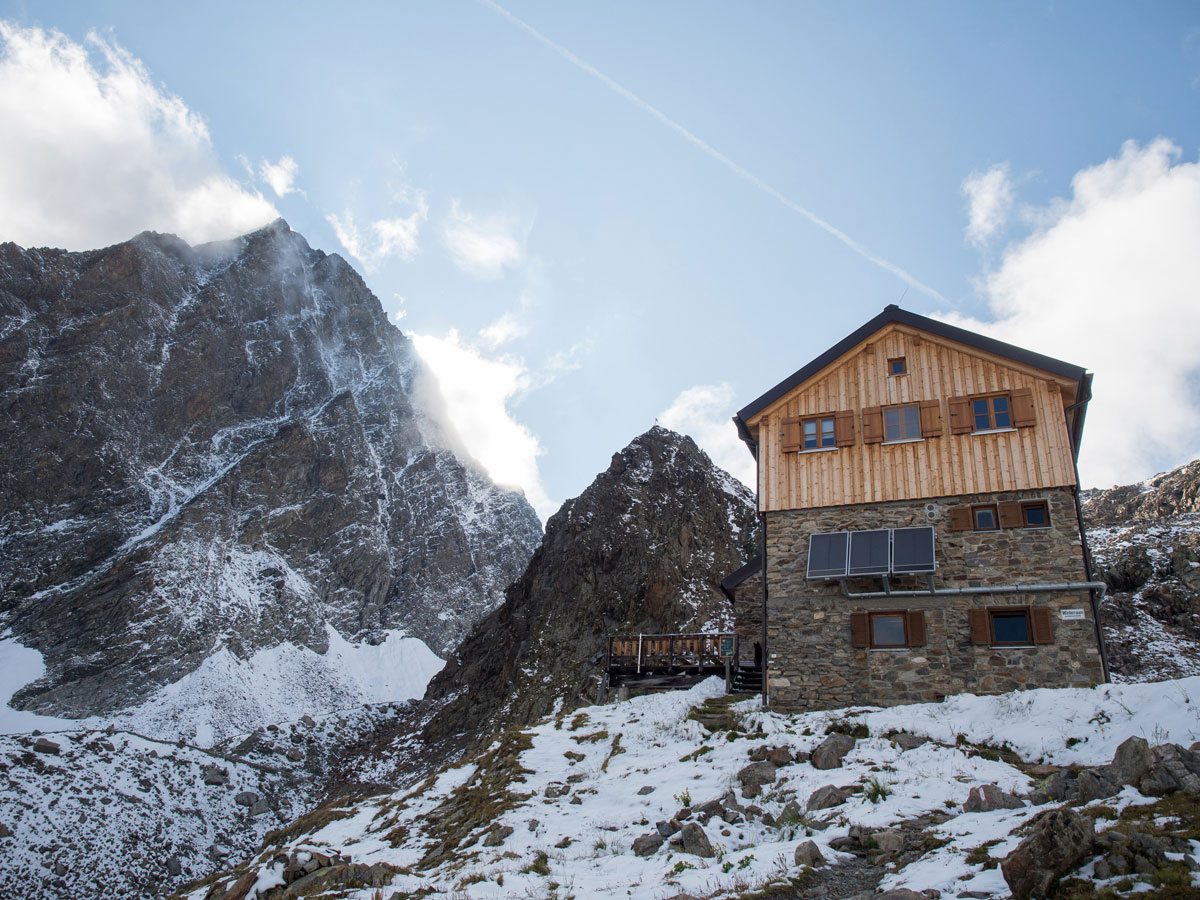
x=1025 y=458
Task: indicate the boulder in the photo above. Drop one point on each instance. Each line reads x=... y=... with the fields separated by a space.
x=1058 y=841
x=260 y=806
x=808 y=854
x=754 y=776
x=1095 y=784
x=45 y=745
x=831 y=751
x=214 y=776
x=246 y=798
x=779 y=756
x=647 y=844
x=906 y=741
x=666 y=829
x=890 y=841
x=1172 y=769
x=174 y=866
x=497 y=836
x=987 y=797
x=1052 y=789
x=295 y=754
x=693 y=840
x=1131 y=762
x=826 y=797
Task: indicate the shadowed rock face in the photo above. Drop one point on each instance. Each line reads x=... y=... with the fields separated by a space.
x=224 y=446
x=643 y=549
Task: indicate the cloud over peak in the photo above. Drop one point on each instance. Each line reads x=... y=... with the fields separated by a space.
x=989 y=200
x=483 y=246
x=92 y=151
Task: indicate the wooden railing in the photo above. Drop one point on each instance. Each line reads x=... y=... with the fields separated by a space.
x=672 y=652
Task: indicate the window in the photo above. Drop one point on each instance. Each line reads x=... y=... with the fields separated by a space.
x=1010 y=626
x=991 y=412
x=902 y=423
x=897 y=366
x=817 y=433
x=887 y=630
x=1035 y=514
x=890 y=630
x=985 y=518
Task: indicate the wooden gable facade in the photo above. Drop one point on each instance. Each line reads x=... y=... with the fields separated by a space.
x=942 y=453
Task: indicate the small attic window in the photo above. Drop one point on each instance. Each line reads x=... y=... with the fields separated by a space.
x=897 y=366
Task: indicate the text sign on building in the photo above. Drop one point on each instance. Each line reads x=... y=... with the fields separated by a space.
x=1071 y=613
x=726 y=645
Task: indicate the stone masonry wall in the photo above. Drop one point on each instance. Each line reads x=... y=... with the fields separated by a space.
x=812 y=664
x=747 y=616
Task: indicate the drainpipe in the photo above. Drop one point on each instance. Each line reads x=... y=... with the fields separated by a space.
x=995 y=589
x=1088 y=571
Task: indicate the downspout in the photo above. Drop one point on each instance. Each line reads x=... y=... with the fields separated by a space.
x=1090 y=586
x=1085 y=385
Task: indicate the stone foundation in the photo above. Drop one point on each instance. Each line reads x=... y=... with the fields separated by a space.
x=813 y=665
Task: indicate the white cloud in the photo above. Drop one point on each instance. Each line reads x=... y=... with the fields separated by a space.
x=478 y=390
x=507 y=328
x=483 y=246
x=705 y=414
x=989 y=200
x=281 y=176
x=92 y=151
x=386 y=237
x=1108 y=280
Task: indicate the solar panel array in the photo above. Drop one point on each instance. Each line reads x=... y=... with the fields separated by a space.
x=880 y=551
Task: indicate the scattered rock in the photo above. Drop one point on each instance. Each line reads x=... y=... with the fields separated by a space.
x=45 y=745
x=260 y=806
x=576 y=778
x=533 y=824
x=1172 y=769
x=306 y=719
x=295 y=754
x=246 y=798
x=647 y=844
x=831 y=751
x=754 y=776
x=1131 y=762
x=826 y=797
x=557 y=789
x=890 y=842
x=987 y=797
x=174 y=866
x=4 y=831
x=666 y=829
x=1052 y=788
x=497 y=836
x=1095 y=784
x=693 y=840
x=906 y=741
x=214 y=776
x=1058 y=841
x=808 y=854
x=645 y=789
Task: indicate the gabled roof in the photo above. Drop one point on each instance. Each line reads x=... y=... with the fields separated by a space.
x=743 y=574
x=894 y=314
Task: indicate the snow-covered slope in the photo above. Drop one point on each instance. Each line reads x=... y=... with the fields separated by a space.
x=555 y=810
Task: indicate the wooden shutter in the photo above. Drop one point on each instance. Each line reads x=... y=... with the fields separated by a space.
x=791 y=434
x=873 y=425
x=843 y=428
x=916 y=627
x=961 y=421
x=931 y=418
x=960 y=519
x=980 y=633
x=1022 y=408
x=1043 y=628
x=1010 y=515
x=860 y=630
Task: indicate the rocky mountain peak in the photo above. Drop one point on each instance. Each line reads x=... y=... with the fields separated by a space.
x=642 y=549
x=1166 y=494
x=226 y=449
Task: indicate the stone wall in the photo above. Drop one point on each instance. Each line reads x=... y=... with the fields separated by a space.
x=813 y=665
x=747 y=616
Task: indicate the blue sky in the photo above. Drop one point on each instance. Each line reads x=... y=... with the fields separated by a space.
x=593 y=215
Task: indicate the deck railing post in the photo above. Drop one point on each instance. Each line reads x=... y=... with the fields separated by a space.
x=639 y=667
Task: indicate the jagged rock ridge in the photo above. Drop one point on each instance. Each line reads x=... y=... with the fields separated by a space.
x=224 y=447
x=1145 y=539
x=642 y=549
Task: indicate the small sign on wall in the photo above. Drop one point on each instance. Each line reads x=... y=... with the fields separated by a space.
x=726 y=645
x=1071 y=613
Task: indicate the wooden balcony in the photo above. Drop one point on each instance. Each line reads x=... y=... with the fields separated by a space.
x=665 y=661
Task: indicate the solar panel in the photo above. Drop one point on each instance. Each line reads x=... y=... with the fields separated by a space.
x=870 y=552
x=827 y=554
x=912 y=550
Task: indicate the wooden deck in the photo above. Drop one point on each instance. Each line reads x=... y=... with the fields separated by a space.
x=670 y=660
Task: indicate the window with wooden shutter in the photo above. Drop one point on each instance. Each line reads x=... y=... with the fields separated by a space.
x=961 y=421
x=1043 y=628
x=872 y=425
x=843 y=428
x=1023 y=415
x=860 y=630
x=980 y=627
x=791 y=434
x=931 y=418
x=961 y=518
x=1010 y=515
x=916 y=627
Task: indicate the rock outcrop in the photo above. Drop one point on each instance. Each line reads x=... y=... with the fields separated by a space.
x=642 y=549
x=225 y=447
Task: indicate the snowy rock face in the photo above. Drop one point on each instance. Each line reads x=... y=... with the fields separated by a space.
x=1145 y=539
x=224 y=448
x=642 y=549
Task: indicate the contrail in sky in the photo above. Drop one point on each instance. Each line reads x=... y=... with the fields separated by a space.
x=716 y=154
